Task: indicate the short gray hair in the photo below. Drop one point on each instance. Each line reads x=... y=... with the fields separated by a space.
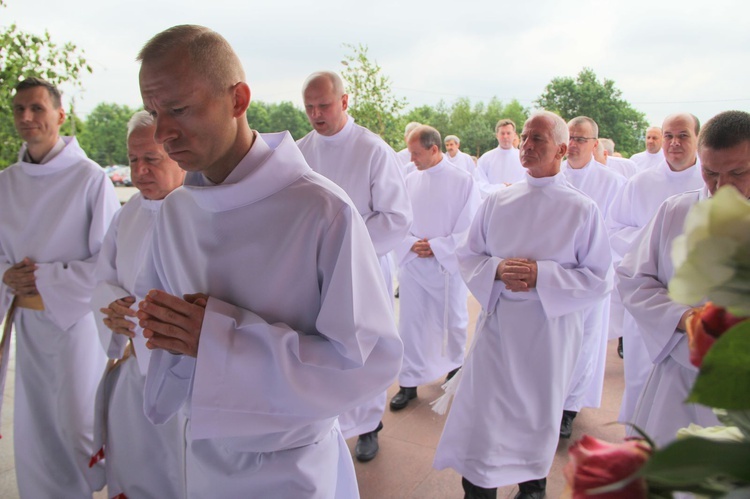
x=141 y=119
x=560 y=132
x=410 y=127
x=608 y=145
x=580 y=120
x=455 y=139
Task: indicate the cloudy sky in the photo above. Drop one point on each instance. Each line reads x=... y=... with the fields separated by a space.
x=664 y=56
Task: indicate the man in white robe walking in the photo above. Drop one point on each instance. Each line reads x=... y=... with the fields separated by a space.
x=267 y=307
x=55 y=207
x=125 y=434
x=536 y=258
x=644 y=274
x=501 y=166
x=433 y=312
x=404 y=156
x=366 y=168
x=633 y=209
x=456 y=156
x=653 y=154
x=599 y=183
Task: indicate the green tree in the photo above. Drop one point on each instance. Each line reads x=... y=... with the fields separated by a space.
x=104 y=132
x=602 y=101
x=23 y=55
x=371 y=100
x=276 y=117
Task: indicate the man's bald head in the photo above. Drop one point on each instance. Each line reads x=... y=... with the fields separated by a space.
x=208 y=53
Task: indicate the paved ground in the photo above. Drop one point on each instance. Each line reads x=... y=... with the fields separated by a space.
x=403 y=468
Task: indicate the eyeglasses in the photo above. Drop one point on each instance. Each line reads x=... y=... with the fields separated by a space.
x=581 y=140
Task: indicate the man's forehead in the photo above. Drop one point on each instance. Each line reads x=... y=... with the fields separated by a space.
x=33 y=95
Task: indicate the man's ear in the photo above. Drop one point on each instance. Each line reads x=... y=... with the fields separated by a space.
x=240 y=98
x=562 y=149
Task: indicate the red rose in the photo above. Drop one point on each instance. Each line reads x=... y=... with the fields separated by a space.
x=704 y=327
x=594 y=463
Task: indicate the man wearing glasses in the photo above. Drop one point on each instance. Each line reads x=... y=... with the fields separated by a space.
x=602 y=185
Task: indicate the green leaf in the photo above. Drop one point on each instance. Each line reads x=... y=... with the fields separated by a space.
x=724 y=378
x=696 y=462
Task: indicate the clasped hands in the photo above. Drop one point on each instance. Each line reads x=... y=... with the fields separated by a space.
x=422 y=248
x=518 y=274
x=169 y=322
x=20 y=278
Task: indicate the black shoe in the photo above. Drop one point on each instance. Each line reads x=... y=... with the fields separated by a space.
x=402 y=398
x=566 y=425
x=619 y=348
x=472 y=491
x=533 y=489
x=367 y=445
x=398 y=288
x=452 y=373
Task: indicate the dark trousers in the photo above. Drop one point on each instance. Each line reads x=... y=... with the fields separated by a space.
x=472 y=491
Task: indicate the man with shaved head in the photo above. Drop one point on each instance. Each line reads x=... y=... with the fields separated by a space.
x=537 y=257
x=645 y=272
x=368 y=170
x=261 y=296
x=635 y=206
x=653 y=154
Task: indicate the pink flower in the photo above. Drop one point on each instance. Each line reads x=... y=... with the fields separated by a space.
x=594 y=463
x=705 y=327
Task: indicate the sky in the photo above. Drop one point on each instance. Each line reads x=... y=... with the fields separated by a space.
x=665 y=57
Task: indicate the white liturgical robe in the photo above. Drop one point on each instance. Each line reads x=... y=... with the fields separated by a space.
x=498 y=167
x=646 y=160
x=632 y=210
x=462 y=161
x=504 y=424
x=297 y=330
x=368 y=170
x=642 y=278
x=56 y=214
x=623 y=166
x=601 y=185
x=404 y=156
x=129 y=435
x=433 y=315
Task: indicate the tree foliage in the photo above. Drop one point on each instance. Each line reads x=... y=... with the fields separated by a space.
x=23 y=55
x=273 y=117
x=474 y=124
x=103 y=134
x=601 y=101
x=371 y=100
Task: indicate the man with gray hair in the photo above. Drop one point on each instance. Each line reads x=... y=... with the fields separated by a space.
x=362 y=164
x=404 y=156
x=645 y=272
x=501 y=166
x=456 y=156
x=55 y=207
x=653 y=154
x=433 y=313
x=264 y=301
x=537 y=257
x=125 y=436
x=623 y=166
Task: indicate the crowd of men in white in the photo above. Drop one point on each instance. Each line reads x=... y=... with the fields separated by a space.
x=244 y=296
